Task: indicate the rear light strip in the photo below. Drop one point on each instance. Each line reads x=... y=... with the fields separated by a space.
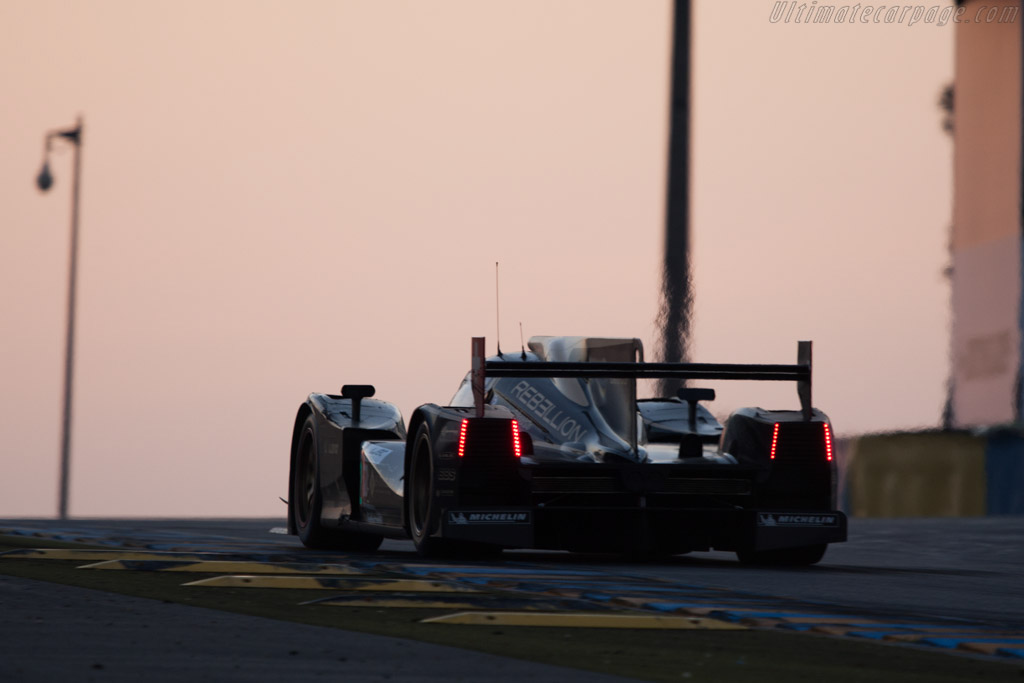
x=517 y=444
x=462 y=437
x=517 y=447
x=828 y=441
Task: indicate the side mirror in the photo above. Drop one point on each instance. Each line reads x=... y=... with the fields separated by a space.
x=526 y=442
x=357 y=392
x=697 y=394
x=691 y=396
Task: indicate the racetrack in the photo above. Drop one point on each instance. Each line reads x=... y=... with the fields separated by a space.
x=945 y=576
x=956 y=568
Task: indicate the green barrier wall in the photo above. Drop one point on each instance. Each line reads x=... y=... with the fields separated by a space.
x=924 y=474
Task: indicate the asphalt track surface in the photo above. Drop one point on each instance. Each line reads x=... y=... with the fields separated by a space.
x=949 y=573
x=64 y=633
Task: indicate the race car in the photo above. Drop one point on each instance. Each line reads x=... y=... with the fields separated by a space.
x=551 y=449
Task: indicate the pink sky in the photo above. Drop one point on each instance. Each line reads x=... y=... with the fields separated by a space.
x=279 y=198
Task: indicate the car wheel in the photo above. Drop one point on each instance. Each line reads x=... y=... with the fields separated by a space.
x=308 y=502
x=305 y=496
x=784 y=557
x=420 y=494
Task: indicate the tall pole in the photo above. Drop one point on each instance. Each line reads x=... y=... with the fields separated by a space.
x=677 y=298
x=69 y=356
x=45 y=182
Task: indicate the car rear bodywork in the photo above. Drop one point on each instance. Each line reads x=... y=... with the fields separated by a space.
x=550 y=448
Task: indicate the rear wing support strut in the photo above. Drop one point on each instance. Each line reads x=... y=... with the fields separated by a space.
x=803 y=386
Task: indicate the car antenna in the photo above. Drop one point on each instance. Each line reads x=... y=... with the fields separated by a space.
x=497 y=310
x=521 y=342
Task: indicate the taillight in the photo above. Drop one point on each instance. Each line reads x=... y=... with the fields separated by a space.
x=517 y=447
x=490 y=439
x=828 y=442
x=775 y=439
x=462 y=437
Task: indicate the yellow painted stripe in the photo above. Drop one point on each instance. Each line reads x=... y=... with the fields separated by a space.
x=313 y=582
x=94 y=555
x=224 y=567
x=584 y=620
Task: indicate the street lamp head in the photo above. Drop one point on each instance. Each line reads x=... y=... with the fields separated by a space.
x=45 y=179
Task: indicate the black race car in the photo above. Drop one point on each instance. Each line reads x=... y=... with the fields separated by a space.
x=550 y=448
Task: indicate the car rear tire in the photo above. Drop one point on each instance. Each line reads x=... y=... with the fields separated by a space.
x=784 y=557
x=419 y=495
x=307 y=502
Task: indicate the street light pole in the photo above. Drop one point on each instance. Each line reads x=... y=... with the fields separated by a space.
x=45 y=181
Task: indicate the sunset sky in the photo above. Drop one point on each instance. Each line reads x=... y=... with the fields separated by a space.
x=279 y=198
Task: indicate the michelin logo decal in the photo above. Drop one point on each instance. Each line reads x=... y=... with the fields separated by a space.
x=774 y=519
x=466 y=517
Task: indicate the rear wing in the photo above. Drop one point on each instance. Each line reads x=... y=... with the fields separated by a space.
x=799 y=373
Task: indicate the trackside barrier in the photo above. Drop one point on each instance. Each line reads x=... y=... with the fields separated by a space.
x=1004 y=469
x=933 y=474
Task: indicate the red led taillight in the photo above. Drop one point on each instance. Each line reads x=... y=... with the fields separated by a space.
x=775 y=439
x=462 y=437
x=517 y=447
x=828 y=442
